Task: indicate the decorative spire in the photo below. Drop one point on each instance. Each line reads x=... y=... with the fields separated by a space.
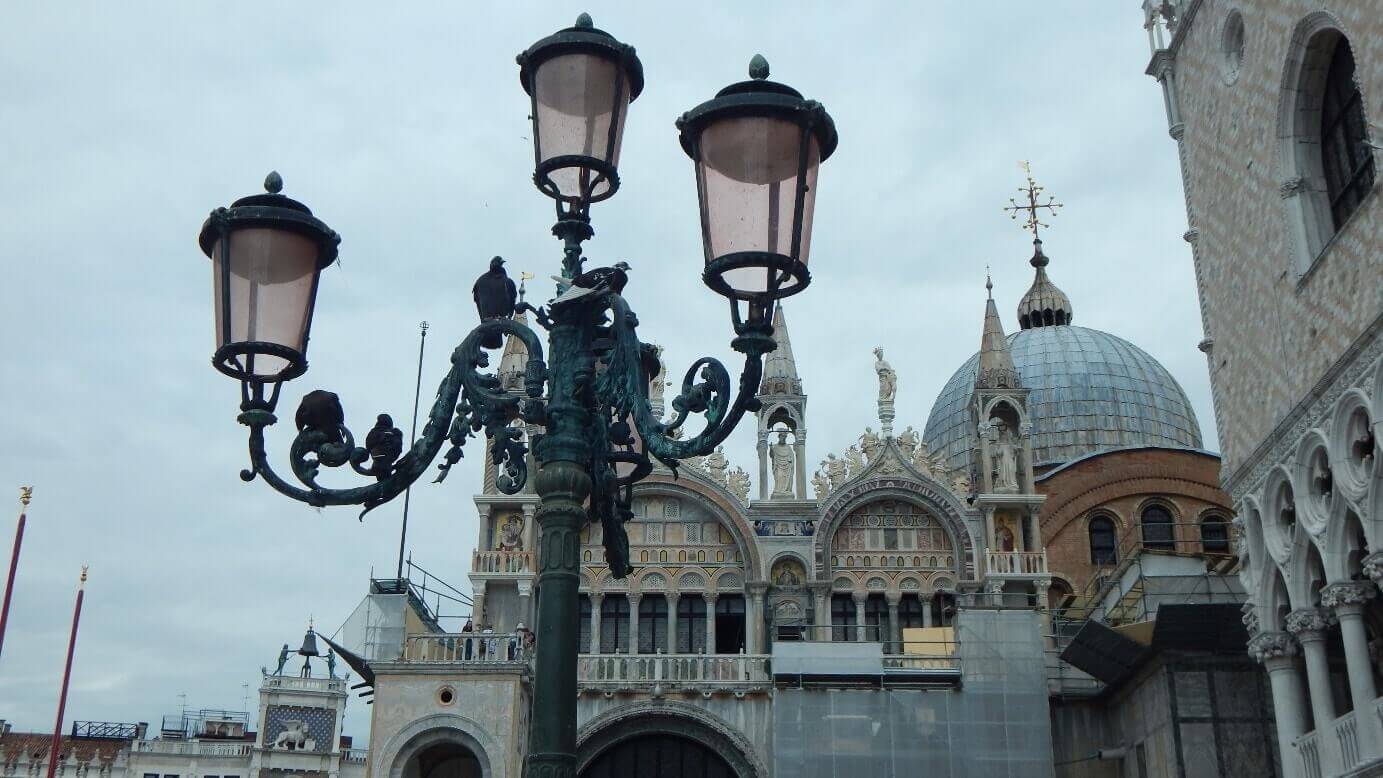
x=996 y=364
x=1044 y=305
x=780 y=370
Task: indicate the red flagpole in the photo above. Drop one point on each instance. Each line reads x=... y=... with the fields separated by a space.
x=55 y=752
x=25 y=493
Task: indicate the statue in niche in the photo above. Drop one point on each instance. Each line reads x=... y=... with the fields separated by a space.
x=888 y=380
x=854 y=461
x=820 y=485
x=737 y=481
x=869 y=444
x=781 y=458
x=716 y=464
x=1005 y=459
x=837 y=471
x=511 y=533
x=907 y=443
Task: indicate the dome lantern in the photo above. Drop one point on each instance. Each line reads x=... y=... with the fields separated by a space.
x=1044 y=305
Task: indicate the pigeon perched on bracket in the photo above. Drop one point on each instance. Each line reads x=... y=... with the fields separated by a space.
x=599 y=279
x=495 y=296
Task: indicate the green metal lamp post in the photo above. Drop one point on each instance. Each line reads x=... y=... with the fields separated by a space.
x=756 y=147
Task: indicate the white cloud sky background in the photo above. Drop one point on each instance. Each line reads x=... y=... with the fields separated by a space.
x=405 y=130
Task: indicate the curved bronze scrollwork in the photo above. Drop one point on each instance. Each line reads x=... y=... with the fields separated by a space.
x=324 y=440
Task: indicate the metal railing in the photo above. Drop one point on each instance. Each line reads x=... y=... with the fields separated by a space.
x=466 y=647
x=1016 y=564
x=503 y=562
x=105 y=730
x=607 y=672
x=193 y=748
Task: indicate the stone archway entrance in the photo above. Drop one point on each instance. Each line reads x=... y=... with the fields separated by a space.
x=662 y=754
x=448 y=759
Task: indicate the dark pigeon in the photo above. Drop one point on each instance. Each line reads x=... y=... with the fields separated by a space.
x=598 y=280
x=320 y=411
x=495 y=295
x=385 y=444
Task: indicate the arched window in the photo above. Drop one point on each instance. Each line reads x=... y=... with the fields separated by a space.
x=691 y=624
x=652 y=623
x=842 y=617
x=1346 y=158
x=1214 y=534
x=1157 y=528
x=910 y=612
x=614 y=624
x=1103 y=549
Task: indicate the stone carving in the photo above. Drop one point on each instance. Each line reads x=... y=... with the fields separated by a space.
x=658 y=382
x=788 y=574
x=1306 y=623
x=888 y=380
x=1272 y=645
x=1250 y=618
x=691 y=581
x=1373 y=566
x=869 y=445
x=960 y=482
x=1348 y=593
x=1005 y=459
x=511 y=533
x=781 y=457
x=854 y=462
x=716 y=465
x=907 y=443
x=737 y=481
x=875 y=584
x=909 y=585
x=820 y=485
x=730 y=581
x=653 y=581
x=295 y=736
x=836 y=470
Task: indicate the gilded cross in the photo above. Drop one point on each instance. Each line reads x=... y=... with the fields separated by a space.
x=1033 y=193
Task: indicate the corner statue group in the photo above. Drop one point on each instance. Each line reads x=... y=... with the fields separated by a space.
x=495 y=296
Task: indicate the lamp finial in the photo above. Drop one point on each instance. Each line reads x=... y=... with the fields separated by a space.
x=758 y=67
x=585 y=21
x=26 y=493
x=273 y=183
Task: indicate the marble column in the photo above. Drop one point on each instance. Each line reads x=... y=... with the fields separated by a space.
x=821 y=593
x=634 y=599
x=763 y=464
x=754 y=616
x=1042 y=587
x=895 y=634
x=710 y=598
x=478 y=607
x=1348 y=601
x=1277 y=652
x=926 y=601
x=596 y=599
x=799 y=463
x=525 y=603
x=1308 y=625
x=860 y=600
x=672 y=599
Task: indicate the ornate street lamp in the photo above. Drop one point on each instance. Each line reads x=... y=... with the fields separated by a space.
x=757 y=147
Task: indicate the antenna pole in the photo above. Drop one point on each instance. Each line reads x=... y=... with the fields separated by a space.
x=25 y=494
x=417 y=391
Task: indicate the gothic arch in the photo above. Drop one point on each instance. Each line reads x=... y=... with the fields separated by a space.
x=783 y=412
x=939 y=501
x=440 y=728
x=724 y=510
x=671 y=718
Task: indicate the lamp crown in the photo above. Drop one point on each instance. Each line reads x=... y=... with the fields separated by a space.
x=758 y=67
x=585 y=21
x=273 y=183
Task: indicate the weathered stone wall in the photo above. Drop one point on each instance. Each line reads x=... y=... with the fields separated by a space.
x=1276 y=330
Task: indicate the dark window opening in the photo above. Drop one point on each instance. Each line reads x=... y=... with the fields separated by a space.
x=843 y=617
x=1103 y=549
x=876 y=618
x=1157 y=528
x=691 y=625
x=1214 y=535
x=730 y=624
x=584 y=642
x=1346 y=157
x=614 y=624
x=652 y=624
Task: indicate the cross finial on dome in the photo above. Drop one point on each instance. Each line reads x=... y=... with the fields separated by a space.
x=1032 y=192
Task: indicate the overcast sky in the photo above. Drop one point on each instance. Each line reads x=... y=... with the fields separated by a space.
x=405 y=129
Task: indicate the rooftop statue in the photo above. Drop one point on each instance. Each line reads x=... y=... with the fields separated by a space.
x=888 y=380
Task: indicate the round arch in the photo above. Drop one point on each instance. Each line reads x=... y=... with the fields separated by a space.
x=677 y=719
x=940 y=502
x=716 y=502
x=443 y=729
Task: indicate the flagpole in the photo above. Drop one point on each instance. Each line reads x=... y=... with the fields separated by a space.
x=25 y=494
x=55 y=752
x=417 y=391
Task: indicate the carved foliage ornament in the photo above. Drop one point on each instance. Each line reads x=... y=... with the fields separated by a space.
x=1308 y=622
x=1348 y=593
x=1272 y=645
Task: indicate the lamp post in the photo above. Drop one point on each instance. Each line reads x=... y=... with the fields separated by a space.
x=756 y=147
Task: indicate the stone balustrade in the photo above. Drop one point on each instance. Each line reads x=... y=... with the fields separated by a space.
x=1017 y=564
x=700 y=672
x=355 y=755
x=199 y=748
x=304 y=684
x=1308 y=746
x=465 y=648
x=503 y=562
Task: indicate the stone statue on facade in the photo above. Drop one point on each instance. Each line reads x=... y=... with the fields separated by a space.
x=821 y=486
x=511 y=534
x=1005 y=460
x=716 y=464
x=837 y=472
x=658 y=382
x=869 y=444
x=888 y=380
x=922 y=459
x=854 y=461
x=781 y=457
x=907 y=443
x=737 y=481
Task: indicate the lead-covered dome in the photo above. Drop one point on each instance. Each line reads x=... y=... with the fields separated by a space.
x=1090 y=391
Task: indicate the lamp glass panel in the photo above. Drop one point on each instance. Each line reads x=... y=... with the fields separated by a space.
x=749 y=175
x=575 y=98
x=272 y=274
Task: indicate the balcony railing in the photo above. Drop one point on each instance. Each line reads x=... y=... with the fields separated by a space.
x=192 y=748
x=466 y=648
x=304 y=684
x=503 y=562
x=355 y=755
x=1016 y=564
x=705 y=672
x=1308 y=746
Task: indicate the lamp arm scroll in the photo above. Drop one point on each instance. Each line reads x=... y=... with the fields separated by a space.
x=483 y=406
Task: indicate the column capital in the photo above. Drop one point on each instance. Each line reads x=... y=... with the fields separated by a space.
x=756 y=588
x=859 y=596
x=819 y=588
x=1266 y=646
x=672 y=596
x=634 y=598
x=995 y=586
x=893 y=598
x=1309 y=624
x=710 y=597
x=596 y=597
x=1373 y=567
x=1348 y=593
x=1250 y=618
x=1042 y=583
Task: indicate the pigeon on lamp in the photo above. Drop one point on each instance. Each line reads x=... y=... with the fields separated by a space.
x=385 y=443
x=600 y=279
x=495 y=296
x=320 y=411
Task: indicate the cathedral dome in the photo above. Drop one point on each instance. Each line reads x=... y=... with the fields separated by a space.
x=1089 y=391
